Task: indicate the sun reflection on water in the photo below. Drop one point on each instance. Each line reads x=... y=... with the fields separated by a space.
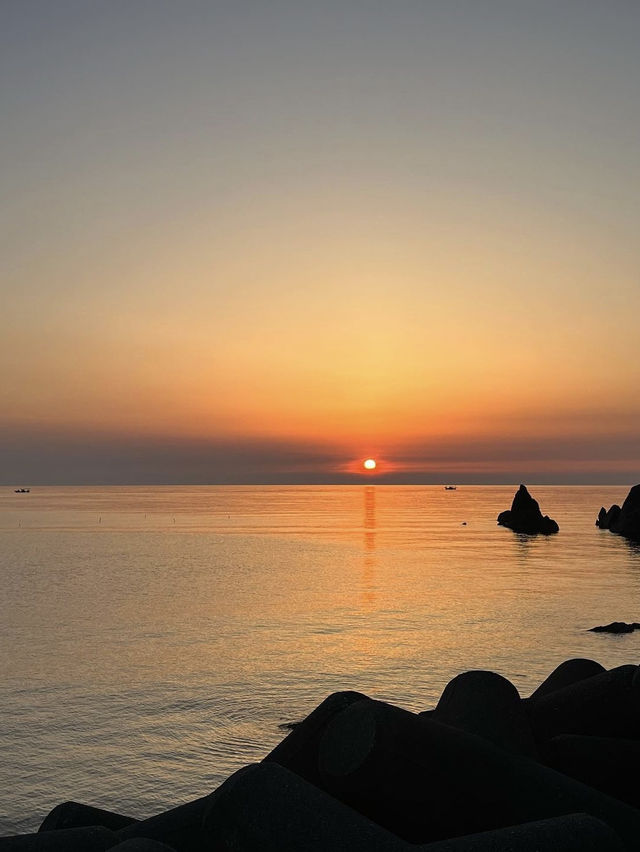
x=369 y=564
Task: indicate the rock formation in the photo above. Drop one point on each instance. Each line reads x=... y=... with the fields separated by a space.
x=616 y=627
x=624 y=521
x=525 y=516
x=608 y=517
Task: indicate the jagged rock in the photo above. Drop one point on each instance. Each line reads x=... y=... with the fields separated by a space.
x=607 y=518
x=525 y=516
x=616 y=627
x=627 y=521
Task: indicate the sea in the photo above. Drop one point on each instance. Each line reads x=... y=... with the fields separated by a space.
x=155 y=639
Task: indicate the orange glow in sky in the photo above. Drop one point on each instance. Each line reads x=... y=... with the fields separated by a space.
x=251 y=246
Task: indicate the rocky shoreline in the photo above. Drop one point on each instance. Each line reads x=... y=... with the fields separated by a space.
x=484 y=770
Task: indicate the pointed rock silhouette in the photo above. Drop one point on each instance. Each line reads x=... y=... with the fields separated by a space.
x=525 y=516
x=624 y=521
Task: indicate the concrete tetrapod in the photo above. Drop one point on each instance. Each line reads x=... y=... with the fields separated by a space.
x=299 y=750
x=267 y=808
x=180 y=828
x=487 y=704
x=75 y=815
x=567 y=673
x=85 y=839
x=604 y=705
x=605 y=763
x=570 y=833
x=426 y=781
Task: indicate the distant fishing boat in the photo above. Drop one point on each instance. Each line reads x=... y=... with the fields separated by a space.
x=22 y=490
x=450 y=487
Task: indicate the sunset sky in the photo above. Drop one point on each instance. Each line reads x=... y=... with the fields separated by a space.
x=263 y=241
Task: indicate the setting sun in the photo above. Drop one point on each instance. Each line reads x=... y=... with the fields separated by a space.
x=370 y=464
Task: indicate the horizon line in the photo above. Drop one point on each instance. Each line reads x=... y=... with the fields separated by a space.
x=346 y=483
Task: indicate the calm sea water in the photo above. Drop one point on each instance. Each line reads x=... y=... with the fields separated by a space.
x=153 y=639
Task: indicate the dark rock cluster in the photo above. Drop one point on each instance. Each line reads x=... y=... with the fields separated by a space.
x=525 y=516
x=616 y=627
x=624 y=520
x=607 y=517
x=485 y=771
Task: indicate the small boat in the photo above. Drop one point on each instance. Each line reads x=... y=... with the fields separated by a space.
x=22 y=490
x=450 y=487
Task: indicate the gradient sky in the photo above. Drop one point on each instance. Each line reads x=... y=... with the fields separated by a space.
x=261 y=241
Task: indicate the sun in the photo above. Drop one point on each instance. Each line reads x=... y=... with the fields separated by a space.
x=369 y=464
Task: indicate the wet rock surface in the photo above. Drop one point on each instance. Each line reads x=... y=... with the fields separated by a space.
x=525 y=516
x=484 y=770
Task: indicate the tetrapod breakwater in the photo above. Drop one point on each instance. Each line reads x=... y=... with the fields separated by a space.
x=484 y=770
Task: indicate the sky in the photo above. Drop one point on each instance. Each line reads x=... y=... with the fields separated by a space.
x=260 y=242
